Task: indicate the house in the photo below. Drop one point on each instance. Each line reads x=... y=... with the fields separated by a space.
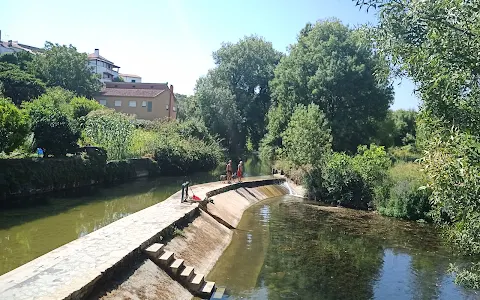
x=102 y=66
x=131 y=78
x=14 y=46
x=147 y=101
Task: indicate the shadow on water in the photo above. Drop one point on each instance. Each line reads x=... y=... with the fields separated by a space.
x=57 y=219
x=287 y=249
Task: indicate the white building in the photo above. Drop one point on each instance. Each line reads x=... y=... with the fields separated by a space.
x=131 y=78
x=102 y=66
x=14 y=46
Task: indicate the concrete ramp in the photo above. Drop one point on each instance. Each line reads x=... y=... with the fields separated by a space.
x=227 y=208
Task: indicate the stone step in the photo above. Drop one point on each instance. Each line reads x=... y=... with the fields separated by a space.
x=154 y=251
x=197 y=281
x=176 y=265
x=219 y=292
x=167 y=258
x=207 y=289
x=187 y=274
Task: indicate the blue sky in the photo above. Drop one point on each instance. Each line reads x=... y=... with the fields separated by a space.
x=172 y=40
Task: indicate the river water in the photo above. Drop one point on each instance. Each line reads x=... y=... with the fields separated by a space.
x=26 y=234
x=288 y=249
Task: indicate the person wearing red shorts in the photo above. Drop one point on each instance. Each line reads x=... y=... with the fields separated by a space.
x=240 y=171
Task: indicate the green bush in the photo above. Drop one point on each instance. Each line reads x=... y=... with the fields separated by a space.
x=53 y=126
x=348 y=181
x=406 y=153
x=14 y=126
x=111 y=131
x=407 y=198
x=82 y=106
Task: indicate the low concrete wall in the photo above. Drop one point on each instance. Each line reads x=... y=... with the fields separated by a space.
x=76 y=269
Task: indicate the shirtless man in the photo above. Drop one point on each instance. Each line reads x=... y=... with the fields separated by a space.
x=229 y=171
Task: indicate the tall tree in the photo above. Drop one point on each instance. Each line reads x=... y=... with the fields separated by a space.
x=336 y=68
x=215 y=105
x=64 y=66
x=245 y=69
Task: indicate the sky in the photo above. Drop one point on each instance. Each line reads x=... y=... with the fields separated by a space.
x=173 y=40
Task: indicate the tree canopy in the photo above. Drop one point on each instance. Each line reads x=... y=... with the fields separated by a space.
x=64 y=66
x=237 y=91
x=336 y=68
x=19 y=85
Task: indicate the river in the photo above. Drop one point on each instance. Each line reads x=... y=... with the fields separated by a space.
x=28 y=233
x=284 y=248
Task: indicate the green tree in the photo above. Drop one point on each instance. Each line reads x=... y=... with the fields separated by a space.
x=14 y=126
x=63 y=66
x=405 y=126
x=118 y=79
x=336 y=68
x=110 y=130
x=242 y=74
x=215 y=105
x=22 y=59
x=19 y=85
x=435 y=43
x=53 y=125
x=307 y=138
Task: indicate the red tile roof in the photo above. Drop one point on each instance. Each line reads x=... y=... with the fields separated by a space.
x=121 y=92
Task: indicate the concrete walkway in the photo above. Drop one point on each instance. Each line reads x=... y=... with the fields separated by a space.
x=71 y=270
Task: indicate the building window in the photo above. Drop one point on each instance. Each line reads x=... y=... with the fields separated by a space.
x=166 y=107
x=132 y=103
x=174 y=108
x=133 y=80
x=144 y=103
x=103 y=102
x=118 y=103
x=149 y=106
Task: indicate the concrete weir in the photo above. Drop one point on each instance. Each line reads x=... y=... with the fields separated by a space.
x=145 y=255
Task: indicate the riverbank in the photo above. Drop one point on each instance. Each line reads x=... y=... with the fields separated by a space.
x=75 y=269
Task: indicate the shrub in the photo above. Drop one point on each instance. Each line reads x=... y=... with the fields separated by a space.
x=407 y=197
x=406 y=153
x=82 y=106
x=343 y=183
x=14 y=126
x=110 y=130
x=453 y=167
x=53 y=126
x=349 y=181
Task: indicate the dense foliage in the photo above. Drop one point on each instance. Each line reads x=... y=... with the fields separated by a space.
x=111 y=131
x=334 y=67
x=63 y=66
x=307 y=139
x=14 y=126
x=436 y=44
x=19 y=85
x=234 y=97
x=55 y=130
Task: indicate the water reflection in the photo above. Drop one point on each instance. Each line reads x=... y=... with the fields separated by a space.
x=58 y=219
x=304 y=252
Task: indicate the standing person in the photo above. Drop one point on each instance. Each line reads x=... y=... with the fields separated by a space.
x=229 y=171
x=240 y=171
